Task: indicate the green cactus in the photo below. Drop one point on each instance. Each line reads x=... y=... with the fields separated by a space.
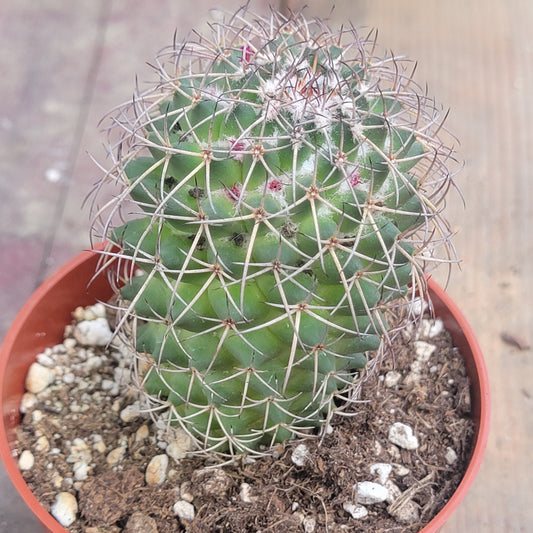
x=282 y=186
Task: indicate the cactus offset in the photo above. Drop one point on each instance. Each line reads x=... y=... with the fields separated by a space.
x=284 y=185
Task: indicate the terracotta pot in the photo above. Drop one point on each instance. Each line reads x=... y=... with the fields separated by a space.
x=41 y=321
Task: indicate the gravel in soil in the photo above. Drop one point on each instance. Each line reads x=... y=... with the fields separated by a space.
x=86 y=434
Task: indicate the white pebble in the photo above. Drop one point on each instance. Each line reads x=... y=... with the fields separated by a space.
x=107 y=384
x=424 y=350
x=300 y=454
x=93 y=363
x=28 y=401
x=69 y=378
x=116 y=455
x=121 y=375
x=407 y=513
x=79 y=452
x=69 y=343
x=26 y=460
x=355 y=510
x=42 y=444
x=142 y=433
x=184 y=510
x=130 y=412
x=431 y=328
x=37 y=416
x=98 y=443
x=81 y=471
x=419 y=306
x=45 y=360
x=382 y=471
x=450 y=456
x=179 y=443
x=93 y=332
x=185 y=491
x=401 y=470
x=245 y=493
x=369 y=492
x=156 y=471
x=94 y=311
x=65 y=508
x=392 y=378
x=402 y=435
x=394 y=491
x=38 y=378
x=309 y=524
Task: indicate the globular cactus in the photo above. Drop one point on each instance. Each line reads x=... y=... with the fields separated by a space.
x=279 y=190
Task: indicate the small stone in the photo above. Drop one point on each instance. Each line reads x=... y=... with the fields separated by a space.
x=26 y=460
x=406 y=513
x=98 y=443
x=156 y=471
x=401 y=470
x=142 y=433
x=402 y=435
x=42 y=444
x=93 y=363
x=184 y=510
x=300 y=454
x=79 y=452
x=140 y=523
x=179 y=444
x=38 y=378
x=130 y=412
x=116 y=455
x=69 y=378
x=121 y=375
x=450 y=456
x=309 y=524
x=418 y=306
x=369 y=492
x=107 y=384
x=93 y=332
x=429 y=329
x=382 y=471
x=28 y=401
x=424 y=350
x=355 y=510
x=65 y=508
x=210 y=483
x=45 y=360
x=81 y=471
x=412 y=379
x=394 y=491
x=94 y=311
x=186 y=492
x=59 y=349
x=37 y=416
x=57 y=481
x=69 y=343
x=392 y=378
x=245 y=493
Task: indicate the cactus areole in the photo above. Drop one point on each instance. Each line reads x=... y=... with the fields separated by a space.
x=279 y=190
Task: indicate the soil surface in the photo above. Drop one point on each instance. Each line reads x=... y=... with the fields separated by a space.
x=74 y=428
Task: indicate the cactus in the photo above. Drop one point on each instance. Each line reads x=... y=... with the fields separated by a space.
x=279 y=190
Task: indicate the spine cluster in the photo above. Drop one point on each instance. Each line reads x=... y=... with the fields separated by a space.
x=279 y=189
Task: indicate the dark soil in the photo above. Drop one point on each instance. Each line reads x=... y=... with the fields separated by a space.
x=283 y=497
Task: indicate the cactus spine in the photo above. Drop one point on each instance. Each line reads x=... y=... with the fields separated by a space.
x=279 y=189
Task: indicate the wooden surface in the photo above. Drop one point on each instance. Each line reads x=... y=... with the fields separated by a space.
x=63 y=64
